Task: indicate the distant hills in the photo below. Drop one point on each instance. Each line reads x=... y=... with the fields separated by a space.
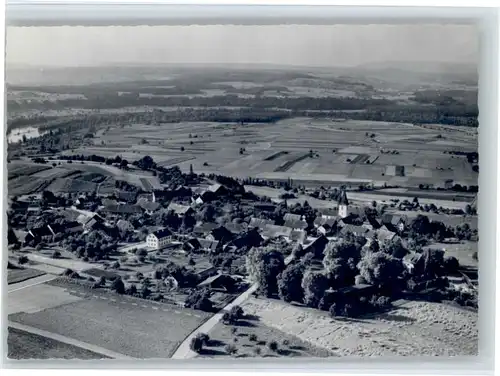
x=393 y=72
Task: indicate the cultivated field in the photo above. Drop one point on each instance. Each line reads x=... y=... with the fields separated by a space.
x=21 y=274
x=133 y=327
x=76 y=177
x=426 y=329
x=343 y=151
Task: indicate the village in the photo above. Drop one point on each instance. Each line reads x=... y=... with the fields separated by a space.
x=208 y=242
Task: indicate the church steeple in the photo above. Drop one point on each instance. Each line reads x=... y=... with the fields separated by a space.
x=343 y=204
x=343 y=198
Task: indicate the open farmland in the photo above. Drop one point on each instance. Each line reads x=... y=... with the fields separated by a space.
x=421 y=328
x=133 y=327
x=246 y=346
x=344 y=152
x=23 y=345
x=21 y=169
x=78 y=177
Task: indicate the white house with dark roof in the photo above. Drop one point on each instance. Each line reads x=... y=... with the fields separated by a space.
x=159 y=239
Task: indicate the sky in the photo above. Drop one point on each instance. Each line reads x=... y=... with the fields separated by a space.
x=302 y=45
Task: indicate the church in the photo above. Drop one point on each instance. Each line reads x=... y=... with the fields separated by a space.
x=343 y=205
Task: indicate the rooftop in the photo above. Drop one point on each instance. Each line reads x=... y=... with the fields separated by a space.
x=162 y=233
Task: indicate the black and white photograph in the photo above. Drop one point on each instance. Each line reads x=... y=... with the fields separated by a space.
x=224 y=191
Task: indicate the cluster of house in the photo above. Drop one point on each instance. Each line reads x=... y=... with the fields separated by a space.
x=211 y=237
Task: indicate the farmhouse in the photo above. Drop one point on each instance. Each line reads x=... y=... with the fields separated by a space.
x=214 y=191
x=251 y=238
x=218 y=189
x=328 y=227
x=219 y=282
x=221 y=234
x=259 y=222
x=384 y=235
x=355 y=230
x=126 y=196
x=96 y=221
x=124 y=225
x=180 y=209
x=395 y=223
x=274 y=231
x=294 y=224
x=159 y=239
x=196 y=244
x=316 y=247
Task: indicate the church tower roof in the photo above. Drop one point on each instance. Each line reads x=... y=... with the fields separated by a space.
x=343 y=198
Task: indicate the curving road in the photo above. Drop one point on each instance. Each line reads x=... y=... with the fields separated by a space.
x=183 y=351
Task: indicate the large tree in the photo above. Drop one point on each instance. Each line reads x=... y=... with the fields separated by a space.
x=340 y=262
x=314 y=285
x=290 y=283
x=380 y=268
x=264 y=264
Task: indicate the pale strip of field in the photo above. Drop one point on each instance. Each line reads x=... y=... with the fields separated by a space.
x=75 y=265
x=417 y=328
x=38 y=298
